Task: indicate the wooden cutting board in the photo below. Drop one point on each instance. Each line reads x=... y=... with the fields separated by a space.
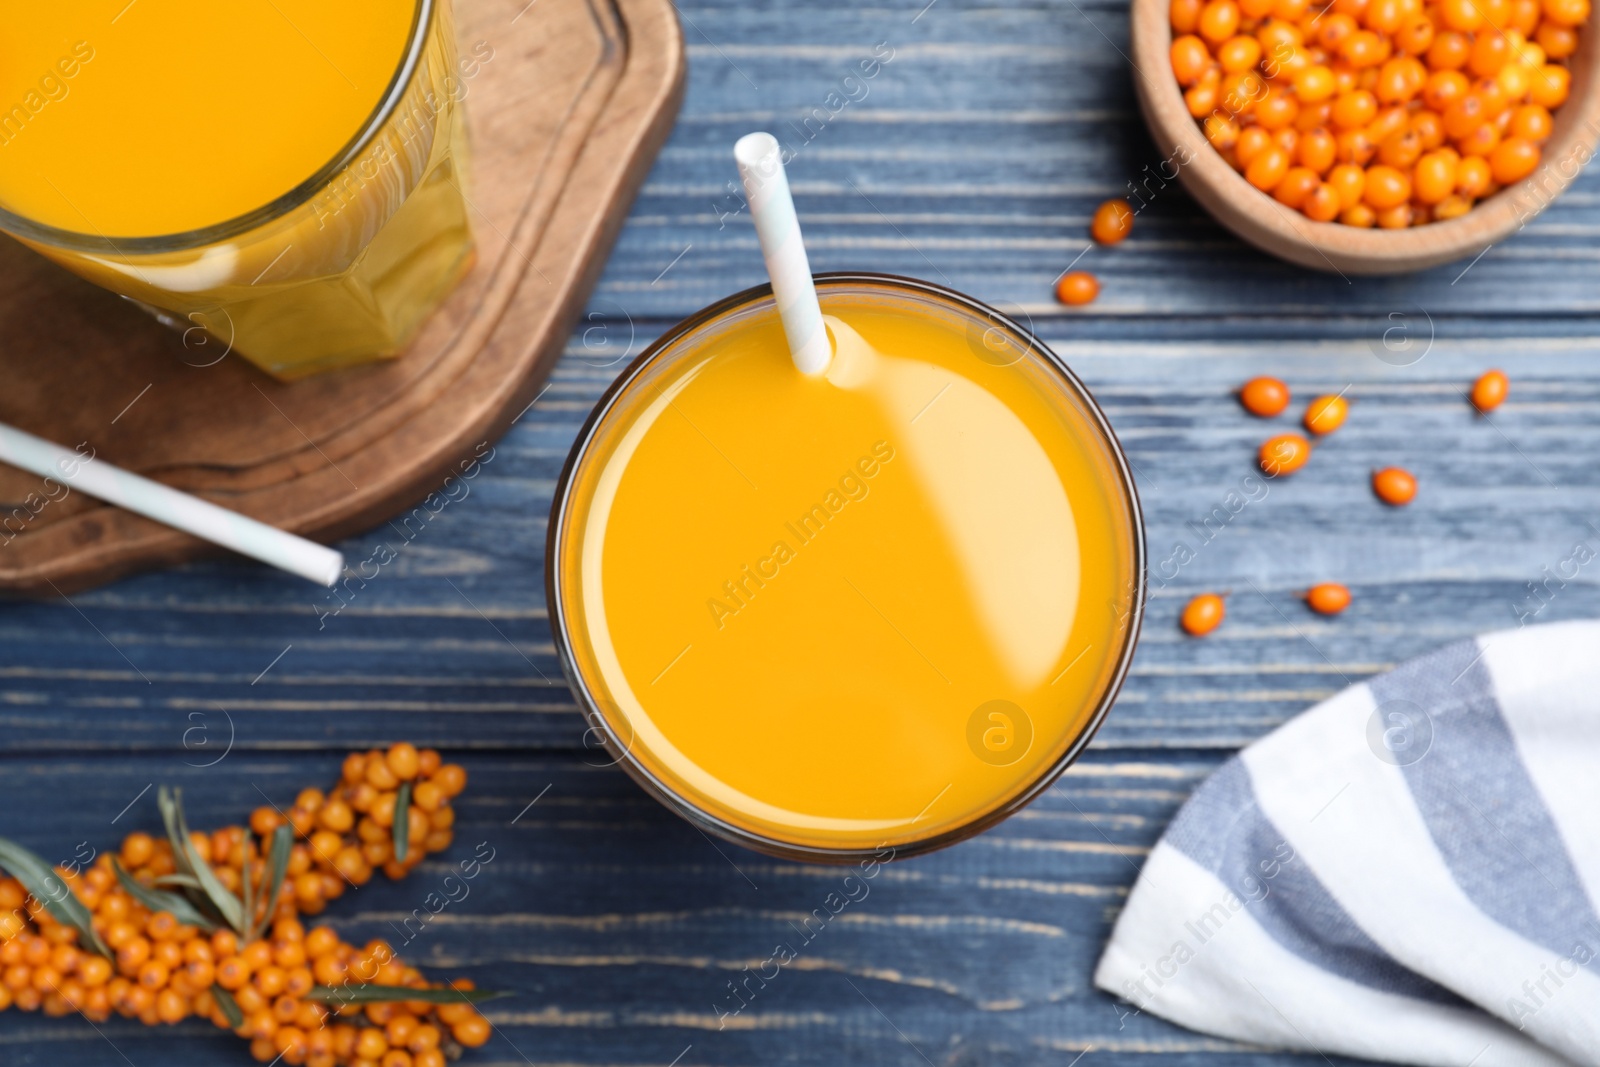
x=567 y=102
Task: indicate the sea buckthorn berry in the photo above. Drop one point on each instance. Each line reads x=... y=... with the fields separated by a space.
x=1434 y=178
x=1550 y=86
x=1322 y=205
x=1400 y=150
x=1530 y=55
x=1112 y=222
x=1314 y=84
x=1465 y=115
x=1075 y=288
x=1451 y=207
x=1481 y=141
x=1276 y=110
x=1558 y=42
x=1202 y=614
x=1316 y=150
x=1219 y=20
x=428 y=760
x=1335 y=28
x=1314 y=116
x=1397 y=81
x=379 y=776
x=403 y=759
x=1515 y=81
x=1354 y=109
x=1349 y=181
x=1383 y=16
x=137 y=849
x=1490 y=52
x=1240 y=94
x=1473 y=177
x=1386 y=187
x=1490 y=390
x=1189 y=59
x=1297 y=184
x=256 y=955
x=1264 y=397
x=1443 y=88
x=472 y=1031
x=1460 y=15
x=452 y=778
x=1266 y=170
x=1394 y=486
x=1238 y=53
x=1328 y=598
x=1390 y=120
x=1359 y=216
x=1400 y=216
x=1566 y=12
x=1513 y=160
x=1449 y=51
x=1364 y=49
x=1429 y=128
x=1326 y=414
x=1284 y=454
x=1253 y=140
x=1415 y=35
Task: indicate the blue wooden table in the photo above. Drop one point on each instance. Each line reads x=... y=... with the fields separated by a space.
x=973 y=157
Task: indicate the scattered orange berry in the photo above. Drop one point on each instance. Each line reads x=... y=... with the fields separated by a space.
x=1264 y=396
x=1077 y=287
x=1113 y=220
x=1490 y=390
x=1328 y=598
x=1202 y=614
x=1326 y=414
x=1394 y=486
x=1284 y=454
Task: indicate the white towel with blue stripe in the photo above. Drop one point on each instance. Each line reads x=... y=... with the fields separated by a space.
x=1409 y=871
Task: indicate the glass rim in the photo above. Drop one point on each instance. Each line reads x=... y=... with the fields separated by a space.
x=28 y=229
x=621 y=752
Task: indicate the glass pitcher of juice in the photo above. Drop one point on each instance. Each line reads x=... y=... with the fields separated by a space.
x=878 y=609
x=283 y=174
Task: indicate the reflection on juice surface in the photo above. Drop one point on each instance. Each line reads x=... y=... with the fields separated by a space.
x=283 y=173
x=856 y=610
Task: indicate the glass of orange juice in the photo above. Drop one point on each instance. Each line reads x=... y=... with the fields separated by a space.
x=283 y=174
x=879 y=608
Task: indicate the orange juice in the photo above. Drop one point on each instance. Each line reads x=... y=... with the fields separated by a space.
x=884 y=606
x=282 y=173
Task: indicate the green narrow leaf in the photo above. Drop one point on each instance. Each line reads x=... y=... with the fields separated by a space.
x=389 y=994
x=246 y=889
x=225 y=902
x=188 y=881
x=402 y=822
x=229 y=1006
x=41 y=880
x=177 y=833
x=161 y=900
x=277 y=867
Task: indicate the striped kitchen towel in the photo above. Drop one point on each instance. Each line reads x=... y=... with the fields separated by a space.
x=1409 y=871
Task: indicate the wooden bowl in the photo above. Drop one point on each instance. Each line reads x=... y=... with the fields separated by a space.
x=1330 y=246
